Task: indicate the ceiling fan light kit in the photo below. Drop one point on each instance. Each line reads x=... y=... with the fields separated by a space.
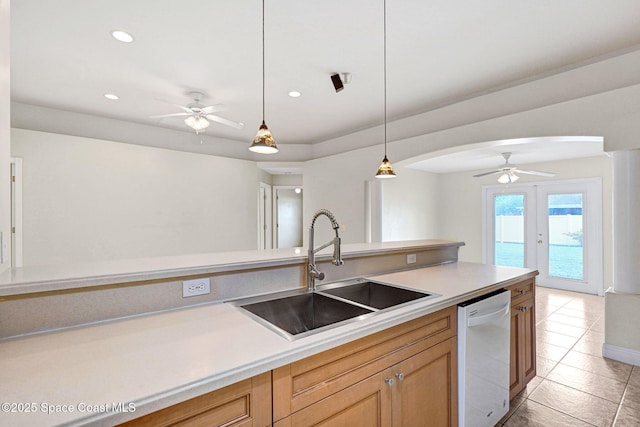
x=263 y=142
x=197 y=123
x=385 y=170
x=508 y=178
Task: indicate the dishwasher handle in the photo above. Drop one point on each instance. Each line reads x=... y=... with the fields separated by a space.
x=487 y=318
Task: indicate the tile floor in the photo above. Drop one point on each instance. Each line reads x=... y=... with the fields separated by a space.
x=575 y=385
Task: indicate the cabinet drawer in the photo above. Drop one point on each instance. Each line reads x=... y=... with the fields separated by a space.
x=302 y=383
x=243 y=404
x=522 y=290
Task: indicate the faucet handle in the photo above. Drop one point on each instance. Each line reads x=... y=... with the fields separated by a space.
x=313 y=272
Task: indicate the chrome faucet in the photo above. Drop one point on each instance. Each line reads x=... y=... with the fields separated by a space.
x=312 y=272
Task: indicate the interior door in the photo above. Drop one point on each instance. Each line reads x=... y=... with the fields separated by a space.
x=555 y=228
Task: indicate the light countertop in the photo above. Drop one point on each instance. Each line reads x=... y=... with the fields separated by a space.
x=153 y=361
x=47 y=278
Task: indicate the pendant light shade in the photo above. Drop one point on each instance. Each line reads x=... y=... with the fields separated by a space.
x=263 y=142
x=386 y=169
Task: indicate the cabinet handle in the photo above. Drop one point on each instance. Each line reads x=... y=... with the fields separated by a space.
x=522 y=292
x=400 y=376
x=523 y=309
x=389 y=381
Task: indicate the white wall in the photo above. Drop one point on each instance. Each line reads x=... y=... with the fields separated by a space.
x=5 y=127
x=410 y=208
x=284 y=180
x=337 y=183
x=461 y=203
x=88 y=200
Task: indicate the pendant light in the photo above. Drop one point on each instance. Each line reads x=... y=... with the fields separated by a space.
x=263 y=142
x=385 y=170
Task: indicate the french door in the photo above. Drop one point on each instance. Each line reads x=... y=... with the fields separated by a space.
x=555 y=228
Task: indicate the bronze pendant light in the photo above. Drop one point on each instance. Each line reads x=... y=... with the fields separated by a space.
x=386 y=169
x=263 y=142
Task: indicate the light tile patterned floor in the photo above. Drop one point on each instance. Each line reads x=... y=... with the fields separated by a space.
x=575 y=385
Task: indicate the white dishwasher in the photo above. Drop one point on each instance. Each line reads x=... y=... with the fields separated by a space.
x=483 y=359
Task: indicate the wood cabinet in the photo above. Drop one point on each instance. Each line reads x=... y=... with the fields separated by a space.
x=243 y=404
x=523 y=336
x=401 y=376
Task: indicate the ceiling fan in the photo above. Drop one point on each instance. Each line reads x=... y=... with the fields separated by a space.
x=508 y=172
x=198 y=115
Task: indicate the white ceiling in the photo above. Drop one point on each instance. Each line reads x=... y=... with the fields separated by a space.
x=438 y=53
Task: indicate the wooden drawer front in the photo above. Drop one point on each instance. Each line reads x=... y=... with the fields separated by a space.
x=524 y=289
x=246 y=403
x=302 y=383
x=365 y=404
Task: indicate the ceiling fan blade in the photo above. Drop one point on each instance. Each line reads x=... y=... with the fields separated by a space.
x=535 y=173
x=487 y=173
x=169 y=115
x=186 y=109
x=227 y=122
x=213 y=109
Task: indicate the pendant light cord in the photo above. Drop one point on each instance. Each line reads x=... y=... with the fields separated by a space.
x=384 y=13
x=263 y=67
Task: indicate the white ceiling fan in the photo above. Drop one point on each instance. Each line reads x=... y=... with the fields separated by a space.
x=198 y=115
x=508 y=172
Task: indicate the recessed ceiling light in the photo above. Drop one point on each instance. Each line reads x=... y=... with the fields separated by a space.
x=111 y=96
x=122 y=36
x=294 y=94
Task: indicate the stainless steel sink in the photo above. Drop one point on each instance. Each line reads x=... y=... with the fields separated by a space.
x=298 y=314
x=375 y=294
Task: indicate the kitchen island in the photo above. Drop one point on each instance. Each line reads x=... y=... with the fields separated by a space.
x=118 y=370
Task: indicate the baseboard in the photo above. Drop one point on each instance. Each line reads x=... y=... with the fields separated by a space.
x=621 y=354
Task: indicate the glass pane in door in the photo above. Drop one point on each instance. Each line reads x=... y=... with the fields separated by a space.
x=566 y=252
x=509 y=230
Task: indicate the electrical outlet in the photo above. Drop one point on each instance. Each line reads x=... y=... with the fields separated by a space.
x=411 y=259
x=191 y=288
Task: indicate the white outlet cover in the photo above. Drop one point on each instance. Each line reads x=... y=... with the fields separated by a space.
x=411 y=258
x=194 y=287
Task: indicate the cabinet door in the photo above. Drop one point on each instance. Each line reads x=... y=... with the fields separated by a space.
x=529 y=338
x=516 y=378
x=523 y=345
x=365 y=404
x=425 y=388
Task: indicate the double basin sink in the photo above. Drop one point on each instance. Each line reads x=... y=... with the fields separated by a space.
x=300 y=314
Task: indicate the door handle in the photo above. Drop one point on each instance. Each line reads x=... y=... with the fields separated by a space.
x=389 y=381
x=539 y=241
x=400 y=376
